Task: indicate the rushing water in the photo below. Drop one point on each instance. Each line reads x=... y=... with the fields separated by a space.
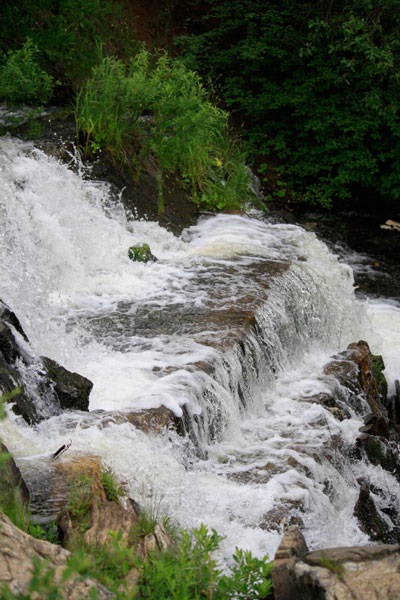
x=140 y=331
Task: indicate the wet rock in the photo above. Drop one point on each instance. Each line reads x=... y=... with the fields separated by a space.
x=380 y=453
x=369 y=518
x=18 y=551
x=376 y=425
x=72 y=389
x=141 y=253
x=291 y=549
x=361 y=373
x=39 y=387
x=13 y=489
x=361 y=355
x=9 y=324
x=153 y=419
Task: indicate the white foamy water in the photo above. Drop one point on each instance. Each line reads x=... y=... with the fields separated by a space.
x=65 y=272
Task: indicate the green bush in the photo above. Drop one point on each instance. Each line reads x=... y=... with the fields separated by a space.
x=191 y=572
x=22 y=80
x=158 y=107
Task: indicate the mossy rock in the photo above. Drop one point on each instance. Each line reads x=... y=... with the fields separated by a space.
x=141 y=253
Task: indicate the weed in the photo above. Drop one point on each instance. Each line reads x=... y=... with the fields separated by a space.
x=80 y=501
x=333 y=566
x=110 y=485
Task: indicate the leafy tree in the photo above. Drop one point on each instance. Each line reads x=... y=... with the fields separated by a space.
x=68 y=33
x=317 y=84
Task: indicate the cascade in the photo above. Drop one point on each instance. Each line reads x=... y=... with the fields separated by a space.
x=230 y=328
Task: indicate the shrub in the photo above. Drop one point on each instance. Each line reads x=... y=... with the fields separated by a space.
x=22 y=80
x=191 y=572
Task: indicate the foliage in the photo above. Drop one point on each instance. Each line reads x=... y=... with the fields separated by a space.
x=22 y=80
x=156 y=106
x=68 y=33
x=191 y=572
x=110 y=485
x=80 y=498
x=317 y=84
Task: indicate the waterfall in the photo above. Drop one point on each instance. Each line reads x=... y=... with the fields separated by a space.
x=230 y=327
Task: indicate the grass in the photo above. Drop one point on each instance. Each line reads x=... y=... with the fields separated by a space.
x=110 y=485
x=157 y=107
x=333 y=566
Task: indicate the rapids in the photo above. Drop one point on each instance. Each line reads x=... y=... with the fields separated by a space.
x=139 y=331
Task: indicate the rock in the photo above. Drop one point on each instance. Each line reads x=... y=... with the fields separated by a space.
x=376 y=425
x=13 y=489
x=361 y=355
x=150 y=419
x=291 y=549
x=354 y=573
x=72 y=389
x=380 y=453
x=369 y=519
x=390 y=224
x=18 y=551
x=43 y=387
x=9 y=348
x=141 y=253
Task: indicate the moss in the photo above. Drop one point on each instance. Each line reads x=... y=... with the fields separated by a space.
x=141 y=253
x=378 y=366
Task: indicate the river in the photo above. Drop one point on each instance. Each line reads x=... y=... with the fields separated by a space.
x=140 y=331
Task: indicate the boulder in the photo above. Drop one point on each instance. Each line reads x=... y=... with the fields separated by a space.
x=19 y=555
x=73 y=390
x=38 y=387
x=13 y=489
x=141 y=253
x=369 y=519
x=291 y=549
x=352 y=573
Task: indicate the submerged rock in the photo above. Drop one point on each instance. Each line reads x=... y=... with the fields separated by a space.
x=141 y=253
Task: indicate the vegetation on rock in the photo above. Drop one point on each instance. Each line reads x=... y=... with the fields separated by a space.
x=155 y=106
